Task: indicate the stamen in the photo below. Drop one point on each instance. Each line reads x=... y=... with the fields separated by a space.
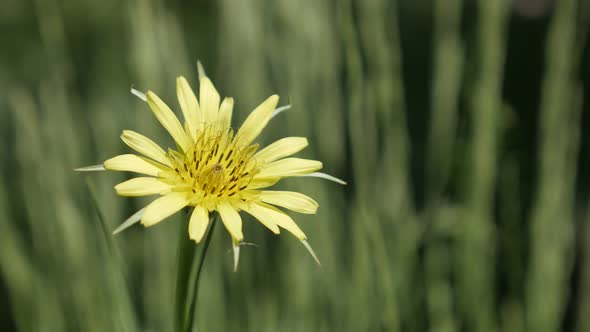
x=216 y=166
x=229 y=155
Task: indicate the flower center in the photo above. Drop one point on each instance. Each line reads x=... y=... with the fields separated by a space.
x=215 y=167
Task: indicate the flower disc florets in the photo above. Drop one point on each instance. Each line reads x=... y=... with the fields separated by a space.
x=215 y=167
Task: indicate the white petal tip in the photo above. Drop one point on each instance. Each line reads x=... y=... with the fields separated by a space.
x=129 y=222
x=311 y=252
x=139 y=94
x=325 y=177
x=93 y=168
x=200 y=70
x=236 y=247
x=279 y=110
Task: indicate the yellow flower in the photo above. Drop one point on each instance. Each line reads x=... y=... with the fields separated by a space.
x=213 y=167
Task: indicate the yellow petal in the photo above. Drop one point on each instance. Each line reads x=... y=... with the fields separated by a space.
x=290 y=167
x=257 y=120
x=198 y=223
x=189 y=105
x=168 y=120
x=272 y=215
x=145 y=146
x=291 y=200
x=225 y=112
x=282 y=148
x=132 y=163
x=142 y=186
x=209 y=98
x=163 y=207
x=231 y=219
x=263 y=182
x=263 y=216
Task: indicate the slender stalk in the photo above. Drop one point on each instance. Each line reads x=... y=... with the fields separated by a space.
x=190 y=318
x=552 y=217
x=477 y=246
x=188 y=278
x=186 y=256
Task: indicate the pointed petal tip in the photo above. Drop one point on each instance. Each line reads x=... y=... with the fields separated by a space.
x=129 y=222
x=326 y=177
x=138 y=94
x=274 y=98
x=117 y=231
x=279 y=110
x=201 y=70
x=311 y=252
x=93 y=168
x=236 y=249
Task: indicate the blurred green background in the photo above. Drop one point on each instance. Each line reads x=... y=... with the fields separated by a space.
x=462 y=128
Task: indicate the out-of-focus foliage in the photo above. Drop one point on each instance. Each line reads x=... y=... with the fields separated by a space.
x=462 y=128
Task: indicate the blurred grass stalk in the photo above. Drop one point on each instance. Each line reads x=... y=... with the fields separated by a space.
x=385 y=231
x=552 y=216
x=477 y=235
x=447 y=79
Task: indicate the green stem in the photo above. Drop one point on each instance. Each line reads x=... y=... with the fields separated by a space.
x=187 y=277
x=190 y=318
x=186 y=256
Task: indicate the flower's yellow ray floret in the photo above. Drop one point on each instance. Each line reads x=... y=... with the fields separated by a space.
x=163 y=207
x=291 y=200
x=143 y=186
x=225 y=113
x=272 y=215
x=282 y=148
x=231 y=219
x=214 y=168
x=145 y=146
x=209 y=101
x=263 y=182
x=168 y=120
x=132 y=163
x=189 y=106
x=257 y=120
x=198 y=223
x=263 y=216
x=290 y=167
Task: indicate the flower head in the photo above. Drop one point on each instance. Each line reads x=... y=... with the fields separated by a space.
x=214 y=168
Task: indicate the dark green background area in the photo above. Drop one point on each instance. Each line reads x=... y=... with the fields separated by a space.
x=461 y=127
